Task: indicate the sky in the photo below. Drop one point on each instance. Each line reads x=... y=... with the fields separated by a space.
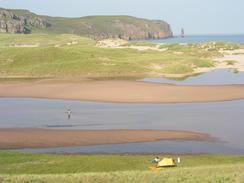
x=195 y=16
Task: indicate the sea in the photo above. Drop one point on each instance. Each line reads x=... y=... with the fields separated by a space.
x=189 y=39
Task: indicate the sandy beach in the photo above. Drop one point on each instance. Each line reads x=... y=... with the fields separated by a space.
x=121 y=91
x=15 y=138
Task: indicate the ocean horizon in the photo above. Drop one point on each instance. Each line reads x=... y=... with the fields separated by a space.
x=188 y=39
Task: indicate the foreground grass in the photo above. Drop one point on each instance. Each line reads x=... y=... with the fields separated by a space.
x=51 y=55
x=23 y=167
x=26 y=163
x=216 y=174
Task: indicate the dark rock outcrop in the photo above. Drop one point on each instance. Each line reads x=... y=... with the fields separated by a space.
x=11 y=22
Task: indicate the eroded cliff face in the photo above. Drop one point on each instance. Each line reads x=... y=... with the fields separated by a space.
x=124 y=27
x=11 y=22
x=96 y=27
x=149 y=29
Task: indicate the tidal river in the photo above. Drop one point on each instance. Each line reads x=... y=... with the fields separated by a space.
x=223 y=120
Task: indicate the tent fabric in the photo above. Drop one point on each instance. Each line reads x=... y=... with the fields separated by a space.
x=166 y=162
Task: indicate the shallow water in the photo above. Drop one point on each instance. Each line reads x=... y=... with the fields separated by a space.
x=176 y=147
x=223 y=120
x=203 y=39
x=215 y=77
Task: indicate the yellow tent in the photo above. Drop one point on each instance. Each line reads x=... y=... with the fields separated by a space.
x=166 y=162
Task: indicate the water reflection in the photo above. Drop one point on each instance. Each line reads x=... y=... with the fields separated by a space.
x=223 y=120
x=216 y=77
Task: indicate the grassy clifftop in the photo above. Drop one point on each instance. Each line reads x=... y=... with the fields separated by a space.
x=97 y=27
x=101 y=27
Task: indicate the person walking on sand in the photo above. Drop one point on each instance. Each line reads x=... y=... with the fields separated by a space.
x=69 y=113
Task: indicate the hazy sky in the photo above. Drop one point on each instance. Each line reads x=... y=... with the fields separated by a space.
x=196 y=16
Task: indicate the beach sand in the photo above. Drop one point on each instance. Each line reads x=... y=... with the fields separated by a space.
x=121 y=91
x=16 y=138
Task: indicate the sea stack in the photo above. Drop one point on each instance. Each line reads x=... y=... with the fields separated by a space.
x=182 y=33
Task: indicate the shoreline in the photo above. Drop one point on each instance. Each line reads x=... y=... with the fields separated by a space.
x=19 y=138
x=120 y=91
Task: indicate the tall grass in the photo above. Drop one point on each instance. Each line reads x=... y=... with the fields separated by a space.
x=26 y=163
x=52 y=168
x=212 y=174
x=140 y=43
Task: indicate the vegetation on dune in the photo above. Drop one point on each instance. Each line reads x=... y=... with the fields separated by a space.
x=20 y=167
x=231 y=62
x=206 y=50
x=236 y=71
x=51 y=55
x=177 y=69
x=25 y=40
x=226 y=46
x=140 y=43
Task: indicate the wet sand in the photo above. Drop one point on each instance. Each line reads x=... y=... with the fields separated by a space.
x=15 y=138
x=121 y=91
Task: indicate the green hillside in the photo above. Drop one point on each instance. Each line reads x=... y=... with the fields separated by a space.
x=52 y=55
x=96 y=27
x=111 y=26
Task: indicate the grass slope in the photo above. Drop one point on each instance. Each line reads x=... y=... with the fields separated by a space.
x=97 y=27
x=51 y=55
x=216 y=174
x=20 y=167
x=26 y=163
x=100 y=25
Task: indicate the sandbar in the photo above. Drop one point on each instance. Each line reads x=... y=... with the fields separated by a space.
x=121 y=91
x=16 y=138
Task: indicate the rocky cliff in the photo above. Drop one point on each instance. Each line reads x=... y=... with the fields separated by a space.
x=125 y=27
x=96 y=27
x=18 y=22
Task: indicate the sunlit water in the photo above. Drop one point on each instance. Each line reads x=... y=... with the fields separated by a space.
x=202 y=39
x=223 y=120
x=216 y=77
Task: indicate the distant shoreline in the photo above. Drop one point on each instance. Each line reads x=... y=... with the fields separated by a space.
x=17 y=138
